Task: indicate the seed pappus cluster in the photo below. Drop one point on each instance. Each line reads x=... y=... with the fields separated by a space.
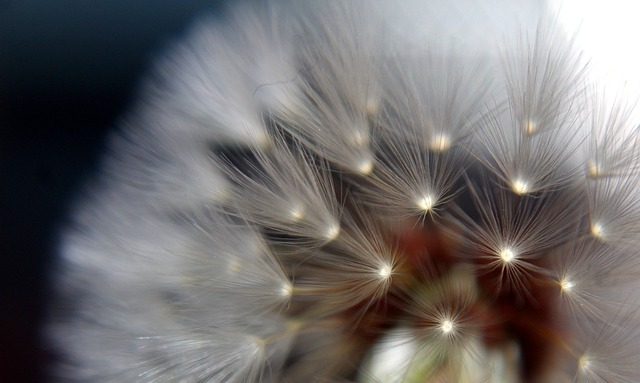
x=302 y=196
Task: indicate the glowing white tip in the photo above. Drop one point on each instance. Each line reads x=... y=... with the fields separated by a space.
x=332 y=232
x=286 y=290
x=446 y=326
x=385 y=271
x=566 y=285
x=296 y=214
x=440 y=143
x=584 y=363
x=594 y=170
x=507 y=255
x=597 y=230
x=426 y=203
x=530 y=127
x=365 y=167
x=520 y=186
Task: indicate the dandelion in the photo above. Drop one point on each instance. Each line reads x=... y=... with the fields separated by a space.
x=305 y=196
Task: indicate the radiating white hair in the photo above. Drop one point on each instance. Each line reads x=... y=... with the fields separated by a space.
x=307 y=190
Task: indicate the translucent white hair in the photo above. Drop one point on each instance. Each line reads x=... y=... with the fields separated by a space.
x=306 y=190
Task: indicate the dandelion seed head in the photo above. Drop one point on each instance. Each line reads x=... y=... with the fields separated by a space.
x=332 y=138
x=296 y=213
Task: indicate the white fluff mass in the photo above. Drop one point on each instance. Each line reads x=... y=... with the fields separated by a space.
x=361 y=191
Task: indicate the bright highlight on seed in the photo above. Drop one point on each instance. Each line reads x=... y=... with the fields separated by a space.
x=566 y=285
x=332 y=232
x=385 y=271
x=426 y=203
x=520 y=186
x=597 y=230
x=447 y=326
x=594 y=170
x=286 y=290
x=440 y=142
x=530 y=127
x=507 y=255
x=365 y=167
x=584 y=363
x=296 y=214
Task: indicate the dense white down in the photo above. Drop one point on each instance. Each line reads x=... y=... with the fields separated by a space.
x=359 y=119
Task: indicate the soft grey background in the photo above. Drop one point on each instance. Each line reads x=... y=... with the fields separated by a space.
x=68 y=69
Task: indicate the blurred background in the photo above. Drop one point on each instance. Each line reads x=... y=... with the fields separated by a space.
x=68 y=70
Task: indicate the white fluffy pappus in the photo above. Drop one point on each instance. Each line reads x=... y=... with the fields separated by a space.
x=427 y=110
x=337 y=77
x=215 y=85
x=512 y=234
x=596 y=279
x=305 y=193
x=530 y=145
x=285 y=190
x=354 y=272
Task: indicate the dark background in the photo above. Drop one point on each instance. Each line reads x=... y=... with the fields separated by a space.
x=68 y=70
